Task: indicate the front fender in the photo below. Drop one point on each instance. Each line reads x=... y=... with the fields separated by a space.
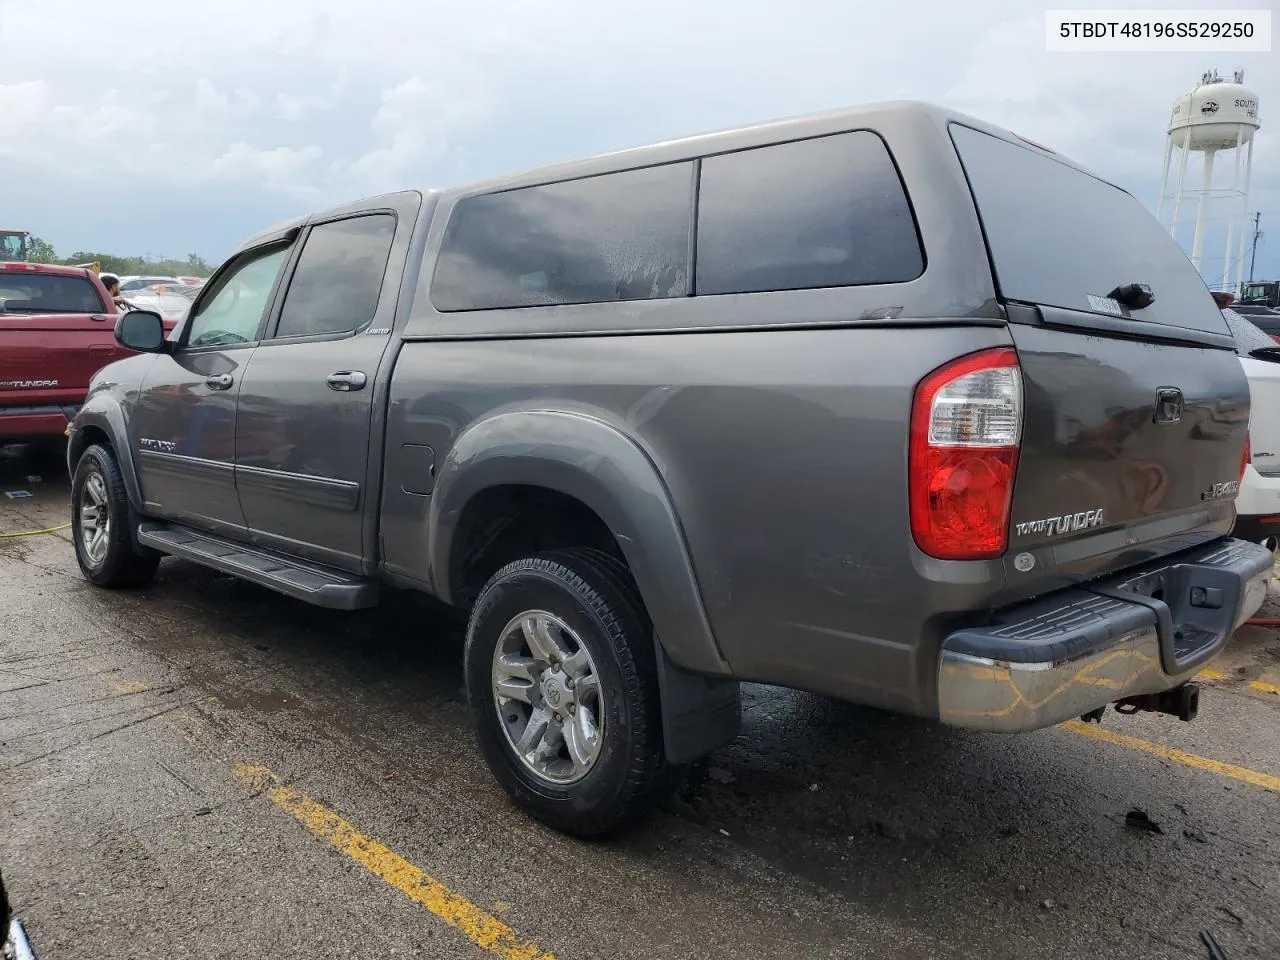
x=102 y=410
x=598 y=465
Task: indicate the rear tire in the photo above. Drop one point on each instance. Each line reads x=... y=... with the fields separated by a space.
x=585 y=602
x=100 y=519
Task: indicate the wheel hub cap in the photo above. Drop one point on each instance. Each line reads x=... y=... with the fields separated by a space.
x=547 y=694
x=554 y=691
x=94 y=513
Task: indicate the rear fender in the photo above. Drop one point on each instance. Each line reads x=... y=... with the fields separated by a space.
x=596 y=464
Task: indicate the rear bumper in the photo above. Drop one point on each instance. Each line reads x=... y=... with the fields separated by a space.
x=1061 y=656
x=30 y=423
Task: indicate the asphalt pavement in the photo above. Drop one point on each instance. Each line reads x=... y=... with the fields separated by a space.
x=203 y=768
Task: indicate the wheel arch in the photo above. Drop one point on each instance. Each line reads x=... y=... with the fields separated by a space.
x=101 y=420
x=593 y=463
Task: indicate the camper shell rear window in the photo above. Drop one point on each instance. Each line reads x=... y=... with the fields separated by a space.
x=1060 y=237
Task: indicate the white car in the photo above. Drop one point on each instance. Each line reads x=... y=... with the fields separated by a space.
x=136 y=284
x=1258 y=502
x=169 y=302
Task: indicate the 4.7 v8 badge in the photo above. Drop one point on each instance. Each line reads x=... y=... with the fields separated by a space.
x=1216 y=491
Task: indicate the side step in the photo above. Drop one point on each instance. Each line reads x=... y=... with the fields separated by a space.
x=321 y=586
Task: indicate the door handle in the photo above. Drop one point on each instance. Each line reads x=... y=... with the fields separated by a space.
x=345 y=381
x=222 y=381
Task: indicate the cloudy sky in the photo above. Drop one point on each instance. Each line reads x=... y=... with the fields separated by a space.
x=147 y=127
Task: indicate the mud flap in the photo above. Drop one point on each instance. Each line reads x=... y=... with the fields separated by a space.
x=699 y=713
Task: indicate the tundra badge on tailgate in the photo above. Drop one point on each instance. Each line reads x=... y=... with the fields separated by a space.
x=1068 y=523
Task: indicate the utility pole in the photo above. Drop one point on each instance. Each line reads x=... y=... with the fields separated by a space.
x=1253 y=255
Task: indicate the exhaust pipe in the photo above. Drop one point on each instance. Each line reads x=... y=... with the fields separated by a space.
x=1182 y=702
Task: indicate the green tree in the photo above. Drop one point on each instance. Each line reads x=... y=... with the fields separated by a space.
x=194 y=265
x=40 y=251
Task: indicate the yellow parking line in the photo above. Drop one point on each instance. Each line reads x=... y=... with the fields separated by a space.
x=1258 y=779
x=1259 y=685
x=481 y=928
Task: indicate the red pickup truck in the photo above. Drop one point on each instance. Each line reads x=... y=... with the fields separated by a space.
x=57 y=328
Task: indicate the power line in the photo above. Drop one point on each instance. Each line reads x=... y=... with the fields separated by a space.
x=1257 y=233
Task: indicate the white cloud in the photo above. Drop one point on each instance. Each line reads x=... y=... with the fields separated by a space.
x=297 y=103
x=278 y=166
x=413 y=124
x=292 y=107
x=114 y=139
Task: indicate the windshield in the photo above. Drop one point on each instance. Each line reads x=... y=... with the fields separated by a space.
x=47 y=293
x=1254 y=291
x=1060 y=237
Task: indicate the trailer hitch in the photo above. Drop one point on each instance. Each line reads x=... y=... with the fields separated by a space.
x=1182 y=702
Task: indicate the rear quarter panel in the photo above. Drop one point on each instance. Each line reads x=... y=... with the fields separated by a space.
x=784 y=454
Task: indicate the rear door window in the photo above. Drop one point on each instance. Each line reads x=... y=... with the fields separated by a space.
x=826 y=212
x=619 y=236
x=336 y=285
x=1060 y=237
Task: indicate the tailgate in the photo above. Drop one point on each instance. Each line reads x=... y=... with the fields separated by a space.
x=1135 y=409
x=1122 y=435
x=48 y=360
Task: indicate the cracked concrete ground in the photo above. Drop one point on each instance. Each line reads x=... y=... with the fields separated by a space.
x=824 y=831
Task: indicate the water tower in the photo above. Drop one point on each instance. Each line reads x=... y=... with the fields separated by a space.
x=1216 y=116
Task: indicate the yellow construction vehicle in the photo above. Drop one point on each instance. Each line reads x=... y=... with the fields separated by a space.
x=14 y=245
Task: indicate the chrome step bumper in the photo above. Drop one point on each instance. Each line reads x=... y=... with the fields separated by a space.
x=1075 y=650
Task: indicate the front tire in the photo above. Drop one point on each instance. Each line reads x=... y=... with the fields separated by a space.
x=100 y=517
x=562 y=683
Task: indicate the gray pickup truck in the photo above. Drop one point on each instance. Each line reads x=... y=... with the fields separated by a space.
x=885 y=404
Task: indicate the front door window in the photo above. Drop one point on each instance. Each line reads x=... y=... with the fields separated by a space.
x=232 y=311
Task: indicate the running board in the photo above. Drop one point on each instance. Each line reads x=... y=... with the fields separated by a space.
x=321 y=586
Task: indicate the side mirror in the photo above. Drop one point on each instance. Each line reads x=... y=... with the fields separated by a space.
x=141 y=330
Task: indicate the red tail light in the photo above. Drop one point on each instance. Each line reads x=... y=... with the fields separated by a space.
x=1246 y=456
x=966 y=428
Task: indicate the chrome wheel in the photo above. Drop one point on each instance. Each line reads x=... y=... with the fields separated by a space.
x=547 y=694
x=95 y=518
